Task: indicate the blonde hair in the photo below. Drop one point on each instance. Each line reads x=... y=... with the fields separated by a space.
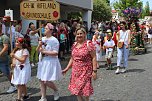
x=81 y=29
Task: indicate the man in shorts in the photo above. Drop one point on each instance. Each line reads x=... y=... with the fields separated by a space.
x=4 y=60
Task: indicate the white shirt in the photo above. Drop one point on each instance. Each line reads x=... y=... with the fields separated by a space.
x=124 y=36
x=110 y=43
x=34 y=39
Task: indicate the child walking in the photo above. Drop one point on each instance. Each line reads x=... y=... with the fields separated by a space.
x=109 y=45
x=22 y=68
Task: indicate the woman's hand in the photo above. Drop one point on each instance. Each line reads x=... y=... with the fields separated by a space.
x=12 y=66
x=127 y=47
x=64 y=71
x=40 y=43
x=94 y=76
x=41 y=50
x=12 y=55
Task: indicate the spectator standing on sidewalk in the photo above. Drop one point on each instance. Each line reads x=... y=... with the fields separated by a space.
x=125 y=37
x=4 y=59
x=49 y=68
x=62 y=44
x=22 y=68
x=84 y=66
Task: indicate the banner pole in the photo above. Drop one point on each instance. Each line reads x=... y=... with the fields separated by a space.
x=40 y=24
x=11 y=36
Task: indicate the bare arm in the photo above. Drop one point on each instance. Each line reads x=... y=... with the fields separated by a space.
x=35 y=31
x=20 y=59
x=68 y=66
x=52 y=53
x=94 y=61
x=5 y=48
x=129 y=37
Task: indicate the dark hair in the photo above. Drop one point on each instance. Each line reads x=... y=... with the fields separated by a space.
x=30 y=24
x=23 y=43
x=124 y=23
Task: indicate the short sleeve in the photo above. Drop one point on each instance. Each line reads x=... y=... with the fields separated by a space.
x=91 y=46
x=55 y=46
x=113 y=43
x=25 y=52
x=5 y=39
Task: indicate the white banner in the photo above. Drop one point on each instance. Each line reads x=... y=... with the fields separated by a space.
x=9 y=13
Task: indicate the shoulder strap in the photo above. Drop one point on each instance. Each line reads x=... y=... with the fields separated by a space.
x=125 y=35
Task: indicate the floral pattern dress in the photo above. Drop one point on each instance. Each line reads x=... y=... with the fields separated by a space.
x=82 y=68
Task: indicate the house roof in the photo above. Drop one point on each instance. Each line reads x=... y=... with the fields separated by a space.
x=113 y=11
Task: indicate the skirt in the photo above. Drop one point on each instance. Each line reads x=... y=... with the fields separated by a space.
x=21 y=76
x=98 y=53
x=49 y=69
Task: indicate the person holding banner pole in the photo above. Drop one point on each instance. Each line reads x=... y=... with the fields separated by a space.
x=4 y=61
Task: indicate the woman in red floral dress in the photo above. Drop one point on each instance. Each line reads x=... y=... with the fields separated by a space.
x=84 y=66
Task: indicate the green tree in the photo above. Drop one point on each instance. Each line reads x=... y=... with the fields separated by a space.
x=123 y=4
x=108 y=2
x=75 y=15
x=147 y=9
x=101 y=10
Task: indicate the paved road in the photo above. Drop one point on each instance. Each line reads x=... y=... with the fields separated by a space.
x=135 y=85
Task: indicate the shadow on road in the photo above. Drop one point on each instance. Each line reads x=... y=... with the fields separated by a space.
x=148 y=52
x=135 y=70
x=33 y=90
x=50 y=98
x=132 y=59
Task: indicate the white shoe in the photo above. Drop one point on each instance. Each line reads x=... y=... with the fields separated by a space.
x=32 y=64
x=56 y=95
x=123 y=70
x=117 y=71
x=43 y=99
x=11 y=89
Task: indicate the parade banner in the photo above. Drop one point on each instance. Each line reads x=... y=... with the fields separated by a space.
x=40 y=10
x=9 y=13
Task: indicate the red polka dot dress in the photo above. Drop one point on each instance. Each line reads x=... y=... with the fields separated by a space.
x=82 y=68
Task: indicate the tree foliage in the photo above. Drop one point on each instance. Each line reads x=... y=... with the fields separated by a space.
x=146 y=9
x=75 y=15
x=101 y=10
x=123 y=4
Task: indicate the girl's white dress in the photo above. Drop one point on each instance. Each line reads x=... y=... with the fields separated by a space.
x=98 y=49
x=21 y=77
x=49 y=68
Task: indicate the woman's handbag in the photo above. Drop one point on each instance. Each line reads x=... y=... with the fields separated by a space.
x=120 y=44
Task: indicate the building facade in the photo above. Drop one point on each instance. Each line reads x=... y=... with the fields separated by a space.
x=66 y=6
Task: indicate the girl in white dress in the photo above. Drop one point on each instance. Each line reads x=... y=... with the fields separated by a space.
x=97 y=42
x=22 y=68
x=49 y=68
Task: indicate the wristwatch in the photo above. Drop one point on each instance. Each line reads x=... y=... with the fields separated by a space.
x=95 y=71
